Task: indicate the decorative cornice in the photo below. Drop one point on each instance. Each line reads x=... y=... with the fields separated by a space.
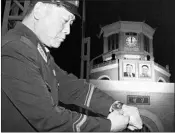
x=163 y=71
x=126 y=26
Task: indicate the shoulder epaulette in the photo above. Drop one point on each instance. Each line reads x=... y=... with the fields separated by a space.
x=9 y=38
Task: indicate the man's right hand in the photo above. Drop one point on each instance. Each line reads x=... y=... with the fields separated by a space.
x=118 y=121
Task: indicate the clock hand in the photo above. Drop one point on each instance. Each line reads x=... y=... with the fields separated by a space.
x=131 y=39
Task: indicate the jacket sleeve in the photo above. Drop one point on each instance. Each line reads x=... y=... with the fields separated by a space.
x=79 y=92
x=22 y=81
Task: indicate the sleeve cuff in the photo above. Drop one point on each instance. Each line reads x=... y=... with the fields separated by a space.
x=105 y=125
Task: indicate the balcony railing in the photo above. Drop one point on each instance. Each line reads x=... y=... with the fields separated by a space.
x=105 y=63
x=99 y=61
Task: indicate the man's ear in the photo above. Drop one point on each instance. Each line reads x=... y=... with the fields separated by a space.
x=39 y=10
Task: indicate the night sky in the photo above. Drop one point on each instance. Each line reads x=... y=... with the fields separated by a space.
x=159 y=14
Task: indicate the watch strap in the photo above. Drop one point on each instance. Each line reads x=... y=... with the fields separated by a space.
x=117 y=105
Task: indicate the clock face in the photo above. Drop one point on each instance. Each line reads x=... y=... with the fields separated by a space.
x=131 y=41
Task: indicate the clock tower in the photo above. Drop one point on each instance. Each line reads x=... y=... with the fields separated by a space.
x=128 y=52
x=132 y=39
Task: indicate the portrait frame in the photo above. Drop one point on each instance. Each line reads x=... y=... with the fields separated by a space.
x=131 y=65
x=145 y=71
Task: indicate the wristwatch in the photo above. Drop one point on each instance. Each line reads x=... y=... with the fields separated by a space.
x=117 y=106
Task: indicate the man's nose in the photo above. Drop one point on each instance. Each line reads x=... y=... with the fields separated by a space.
x=66 y=29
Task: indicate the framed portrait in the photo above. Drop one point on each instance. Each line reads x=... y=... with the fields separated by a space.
x=145 y=70
x=129 y=70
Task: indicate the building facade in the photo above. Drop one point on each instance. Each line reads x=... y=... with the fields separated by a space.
x=128 y=54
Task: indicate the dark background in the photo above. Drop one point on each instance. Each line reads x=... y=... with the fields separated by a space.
x=159 y=14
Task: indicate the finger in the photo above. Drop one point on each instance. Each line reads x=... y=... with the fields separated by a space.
x=132 y=128
x=139 y=126
x=134 y=124
x=121 y=111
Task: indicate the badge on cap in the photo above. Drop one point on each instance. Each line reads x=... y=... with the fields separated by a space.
x=77 y=3
x=41 y=51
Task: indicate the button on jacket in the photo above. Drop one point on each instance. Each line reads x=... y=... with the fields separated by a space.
x=33 y=85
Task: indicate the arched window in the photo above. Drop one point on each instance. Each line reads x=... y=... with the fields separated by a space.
x=104 y=77
x=161 y=79
x=146 y=43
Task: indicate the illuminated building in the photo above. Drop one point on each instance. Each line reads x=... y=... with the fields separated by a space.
x=127 y=72
x=128 y=43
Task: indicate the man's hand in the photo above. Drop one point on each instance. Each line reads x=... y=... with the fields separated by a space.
x=118 y=122
x=135 y=121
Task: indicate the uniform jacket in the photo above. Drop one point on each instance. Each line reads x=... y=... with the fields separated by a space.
x=33 y=85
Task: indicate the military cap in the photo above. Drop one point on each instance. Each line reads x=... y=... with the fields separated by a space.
x=70 y=5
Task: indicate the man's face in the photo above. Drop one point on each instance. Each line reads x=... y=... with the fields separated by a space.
x=129 y=68
x=53 y=24
x=144 y=70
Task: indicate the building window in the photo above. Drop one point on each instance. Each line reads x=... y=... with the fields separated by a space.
x=113 y=41
x=109 y=44
x=146 y=43
x=104 y=77
x=161 y=79
x=117 y=41
x=131 y=34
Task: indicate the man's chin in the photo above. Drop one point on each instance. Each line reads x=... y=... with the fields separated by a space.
x=56 y=45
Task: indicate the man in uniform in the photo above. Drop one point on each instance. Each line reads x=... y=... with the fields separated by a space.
x=33 y=85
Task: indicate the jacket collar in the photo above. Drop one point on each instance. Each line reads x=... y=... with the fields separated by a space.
x=26 y=32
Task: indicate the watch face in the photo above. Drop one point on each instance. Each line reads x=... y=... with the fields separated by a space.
x=131 y=41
